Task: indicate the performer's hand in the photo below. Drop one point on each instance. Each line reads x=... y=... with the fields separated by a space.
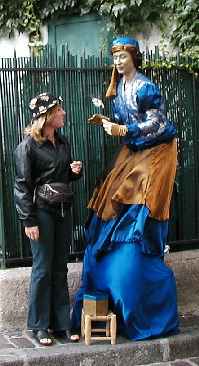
x=107 y=126
x=76 y=166
x=96 y=119
x=32 y=232
x=114 y=129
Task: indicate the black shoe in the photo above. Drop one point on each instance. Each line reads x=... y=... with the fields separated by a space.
x=74 y=338
x=62 y=335
x=42 y=337
x=66 y=336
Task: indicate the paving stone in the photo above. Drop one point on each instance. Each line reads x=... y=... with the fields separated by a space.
x=187 y=362
x=157 y=364
x=21 y=342
x=4 y=343
x=195 y=359
x=10 y=333
x=184 y=345
x=181 y=363
x=12 y=357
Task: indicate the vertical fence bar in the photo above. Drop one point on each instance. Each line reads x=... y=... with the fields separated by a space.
x=2 y=221
x=2 y=213
x=196 y=150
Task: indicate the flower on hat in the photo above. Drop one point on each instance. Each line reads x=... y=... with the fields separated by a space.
x=45 y=97
x=33 y=103
x=97 y=102
x=42 y=109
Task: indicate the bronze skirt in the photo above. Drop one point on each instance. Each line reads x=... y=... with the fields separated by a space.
x=144 y=177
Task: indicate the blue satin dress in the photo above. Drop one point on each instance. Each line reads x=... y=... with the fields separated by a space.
x=124 y=257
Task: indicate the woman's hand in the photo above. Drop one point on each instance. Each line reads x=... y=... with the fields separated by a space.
x=32 y=232
x=76 y=167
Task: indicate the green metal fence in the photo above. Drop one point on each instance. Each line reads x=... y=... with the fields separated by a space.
x=78 y=81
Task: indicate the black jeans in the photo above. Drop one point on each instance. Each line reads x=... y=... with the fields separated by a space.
x=49 y=305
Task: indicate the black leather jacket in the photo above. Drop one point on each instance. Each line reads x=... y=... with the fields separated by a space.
x=36 y=164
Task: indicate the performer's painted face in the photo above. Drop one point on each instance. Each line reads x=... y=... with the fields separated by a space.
x=123 y=62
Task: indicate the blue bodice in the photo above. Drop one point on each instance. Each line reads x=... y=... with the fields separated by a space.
x=139 y=105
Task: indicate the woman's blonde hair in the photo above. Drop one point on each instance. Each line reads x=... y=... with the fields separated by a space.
x=35 y=128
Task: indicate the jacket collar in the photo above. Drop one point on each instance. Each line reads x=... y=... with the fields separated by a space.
x=58 y=137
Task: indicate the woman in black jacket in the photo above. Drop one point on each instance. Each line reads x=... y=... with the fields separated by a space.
x=43 y=198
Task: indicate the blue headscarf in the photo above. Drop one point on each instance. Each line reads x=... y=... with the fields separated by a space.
x=119 y=41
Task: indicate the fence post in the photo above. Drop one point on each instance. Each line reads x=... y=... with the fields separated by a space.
x=2 y=224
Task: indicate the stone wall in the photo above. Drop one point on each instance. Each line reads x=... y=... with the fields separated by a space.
x=186 y=268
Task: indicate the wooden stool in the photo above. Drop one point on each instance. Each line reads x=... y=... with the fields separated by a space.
x=109 y=329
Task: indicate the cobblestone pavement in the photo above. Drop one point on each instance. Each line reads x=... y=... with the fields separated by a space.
x=193 y=361
x=21 y=339
x=14 y=344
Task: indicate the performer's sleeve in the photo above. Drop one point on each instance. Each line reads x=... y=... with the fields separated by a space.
x=151 y=126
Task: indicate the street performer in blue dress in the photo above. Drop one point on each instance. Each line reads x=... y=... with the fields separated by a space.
x=128 y=225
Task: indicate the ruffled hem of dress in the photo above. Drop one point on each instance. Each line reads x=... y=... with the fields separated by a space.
x=133 y=226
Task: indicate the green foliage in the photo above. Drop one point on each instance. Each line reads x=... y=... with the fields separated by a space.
x=123 y=17
x=28 y=15
x=126 y=16
x=19 y=15
x=51 y=8
x=184 y=63
x=185 y=29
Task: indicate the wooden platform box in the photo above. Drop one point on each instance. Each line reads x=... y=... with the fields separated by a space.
x=95 y=304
